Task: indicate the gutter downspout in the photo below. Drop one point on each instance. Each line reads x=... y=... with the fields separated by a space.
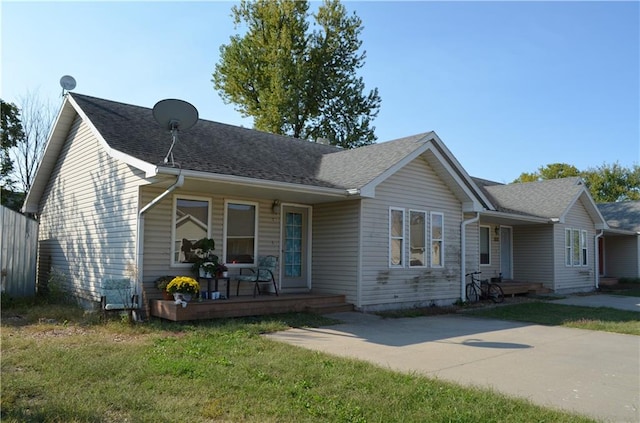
x=140 y=229
x=597 y=260
x=463 y=254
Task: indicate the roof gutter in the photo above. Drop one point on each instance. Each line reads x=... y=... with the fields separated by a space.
x=463 y=250
x=240 y=180
x=140 y=230
x=597 y=260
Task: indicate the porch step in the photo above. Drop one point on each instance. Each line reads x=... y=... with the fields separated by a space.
x=608 y=281
x=513 y=288
x=330 y=308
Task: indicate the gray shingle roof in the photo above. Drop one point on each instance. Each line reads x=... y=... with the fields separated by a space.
x=230 y=150
x=549 y=198
x=623 y=215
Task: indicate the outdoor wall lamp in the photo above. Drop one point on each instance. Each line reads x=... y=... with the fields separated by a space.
x=275 y=207
x=497 y=230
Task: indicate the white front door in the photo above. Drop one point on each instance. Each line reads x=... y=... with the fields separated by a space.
x=294 y=265
x=505 y=252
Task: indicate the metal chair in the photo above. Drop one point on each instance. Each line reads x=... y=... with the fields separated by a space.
x=117 y=295
x=264 y=273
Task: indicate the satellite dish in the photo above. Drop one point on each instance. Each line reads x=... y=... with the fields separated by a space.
x=174 y=115
x=67 y=83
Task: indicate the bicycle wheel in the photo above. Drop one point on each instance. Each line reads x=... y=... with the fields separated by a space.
x=472 y=293
x=495 y=293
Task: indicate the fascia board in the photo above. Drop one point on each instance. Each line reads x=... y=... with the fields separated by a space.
x=240 y=180
x=512 y=216
x=434 y=144
x=55 y=141
x=146 y=167
x=465 y=176
x=591 y=206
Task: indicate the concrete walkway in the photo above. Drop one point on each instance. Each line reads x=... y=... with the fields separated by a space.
x=588 y=372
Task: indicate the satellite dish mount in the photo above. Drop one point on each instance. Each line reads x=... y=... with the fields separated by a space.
x=67 y=83
x=174 y=115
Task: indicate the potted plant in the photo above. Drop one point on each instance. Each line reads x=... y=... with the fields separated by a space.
x=222 y=270
x=183 y=288
x=205 y=262
x=161 y=284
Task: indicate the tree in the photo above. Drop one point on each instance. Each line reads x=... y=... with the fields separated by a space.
x=37 y=119
x=606 y=183
x=297 y=82
x=612 y=183
x=550 y=171
x=11 y=133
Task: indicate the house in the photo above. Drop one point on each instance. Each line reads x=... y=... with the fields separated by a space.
x=389 y=225
x=620 y=248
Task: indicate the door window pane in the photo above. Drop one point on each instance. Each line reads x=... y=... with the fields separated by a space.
x=191 y=223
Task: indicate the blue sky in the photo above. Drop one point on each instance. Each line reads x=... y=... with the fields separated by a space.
x=508 y=86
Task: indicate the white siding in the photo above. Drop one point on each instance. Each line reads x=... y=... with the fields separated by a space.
x=622 y=256
x=157 y=236
x=574 y=278
x=533 y=256
x=416 y=187
x=336 y=248
x=88 y=215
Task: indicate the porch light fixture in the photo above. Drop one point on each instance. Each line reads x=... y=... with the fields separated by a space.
x=497 y=230
x=275 y=207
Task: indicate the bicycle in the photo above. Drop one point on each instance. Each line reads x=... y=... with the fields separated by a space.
x=480 y=289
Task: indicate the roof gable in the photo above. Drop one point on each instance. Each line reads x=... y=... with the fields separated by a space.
x=551 y=198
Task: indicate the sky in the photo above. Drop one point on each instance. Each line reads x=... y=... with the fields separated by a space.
x=509 y=86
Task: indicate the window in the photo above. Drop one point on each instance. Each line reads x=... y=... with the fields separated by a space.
x=190 y=223
x=575 y=242
x=575 y=245
x=583 y=247
x=485 y=245
x=241 y=223
x=437 y=239
x=396 y=237
x=417 y=231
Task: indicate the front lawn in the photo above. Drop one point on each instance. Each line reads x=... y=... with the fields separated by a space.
x=547 y=313
x=62 y=366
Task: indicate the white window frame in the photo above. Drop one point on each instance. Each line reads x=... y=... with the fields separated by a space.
x=576 y=248
x=256 y=205
x=568 y=248
x=584 y=251
x=425 y=238
x=488 y=228
x=394 y=238
x=177 y=197
x=432 y=239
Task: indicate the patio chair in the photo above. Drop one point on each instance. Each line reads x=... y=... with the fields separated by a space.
x=262 y=274
x=117 y=295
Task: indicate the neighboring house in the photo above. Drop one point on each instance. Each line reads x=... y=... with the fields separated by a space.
x=542 y=231
x=620 y=248
x=390 y=225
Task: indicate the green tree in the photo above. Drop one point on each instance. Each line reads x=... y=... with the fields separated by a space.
x=550 y=171
x=298 y=82
x=606 y=183
x=611 y=182
x=11 y=133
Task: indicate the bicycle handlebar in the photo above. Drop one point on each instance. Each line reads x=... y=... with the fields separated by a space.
x=472 y=273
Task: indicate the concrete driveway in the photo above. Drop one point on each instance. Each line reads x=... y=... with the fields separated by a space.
x=589 y=372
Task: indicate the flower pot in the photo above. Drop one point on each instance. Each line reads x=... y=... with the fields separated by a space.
x=225 y=274
x=167 y=296
x=203 y=273
x=179 y=296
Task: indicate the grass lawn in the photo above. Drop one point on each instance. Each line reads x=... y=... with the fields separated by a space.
x=547 y=313
x=59 y=365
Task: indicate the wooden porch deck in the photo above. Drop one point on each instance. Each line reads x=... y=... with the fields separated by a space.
x=249 y=306
x=511 y=288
